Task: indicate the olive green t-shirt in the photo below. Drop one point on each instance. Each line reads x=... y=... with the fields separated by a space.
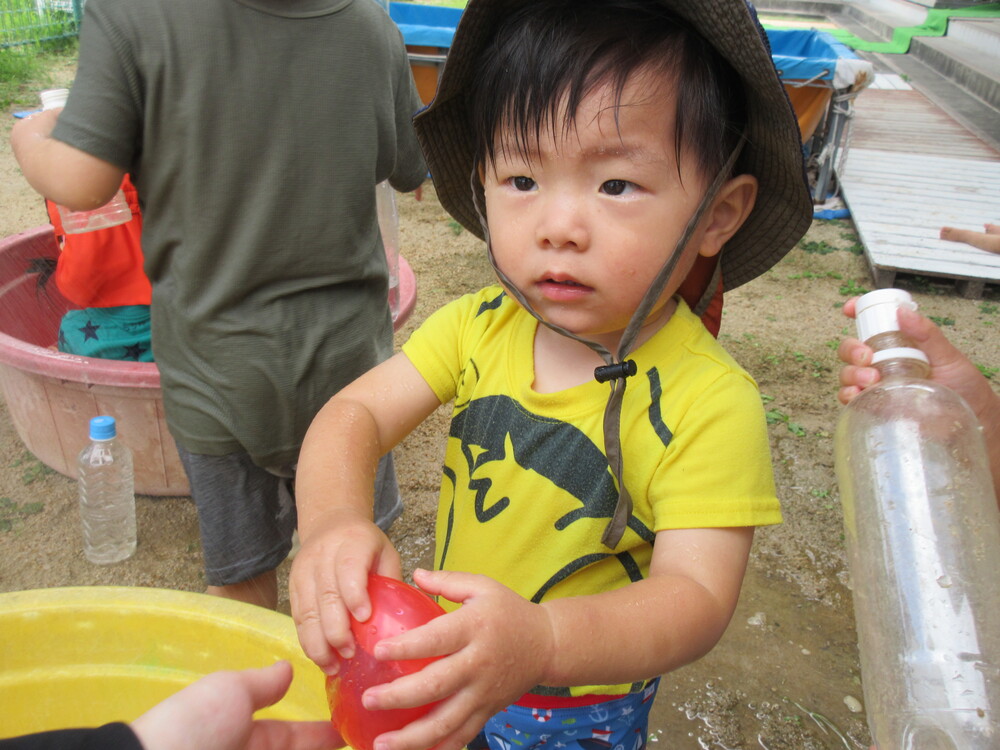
x=255 y=132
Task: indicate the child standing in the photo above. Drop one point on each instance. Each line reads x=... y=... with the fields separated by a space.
x=101 y=272
x=595 y=537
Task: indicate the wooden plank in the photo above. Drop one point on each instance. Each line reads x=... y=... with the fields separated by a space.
x=941 y=165
x=908 y=170
x=903 y=201
x=892 y=120
x=901 y=205
x=954 y=254
x=913 y=179
x=899 y=201
x=935 y=266
x=948 y=186
x=890 y=82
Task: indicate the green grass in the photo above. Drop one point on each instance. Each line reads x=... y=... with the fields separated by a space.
x=776 y=416
x=17 y=66
x=815 y=275
x=852 y=289
x=21 y=23
x=24 y=71
x=31 y=468
x=12 y=512
x=817 y=248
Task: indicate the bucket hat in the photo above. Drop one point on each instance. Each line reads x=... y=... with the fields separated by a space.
x=772 y=151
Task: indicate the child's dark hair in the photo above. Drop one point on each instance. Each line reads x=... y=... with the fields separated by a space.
x=555 y=52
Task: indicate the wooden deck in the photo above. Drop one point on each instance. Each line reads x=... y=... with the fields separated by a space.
x=909 y=170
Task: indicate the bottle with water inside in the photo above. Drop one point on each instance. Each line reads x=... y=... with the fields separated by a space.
x=107 y=495
x=923 y=542
x=111 y=214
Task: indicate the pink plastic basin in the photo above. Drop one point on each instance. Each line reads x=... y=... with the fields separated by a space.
x=51 y=396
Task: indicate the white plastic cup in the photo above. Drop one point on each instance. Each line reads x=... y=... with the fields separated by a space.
x=53 y=98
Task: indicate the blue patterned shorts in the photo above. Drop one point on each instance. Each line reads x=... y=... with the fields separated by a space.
x=619 y=724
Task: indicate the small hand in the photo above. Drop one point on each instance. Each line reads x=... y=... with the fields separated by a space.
x=495 y=648
x=329 y=582
x=217 y=712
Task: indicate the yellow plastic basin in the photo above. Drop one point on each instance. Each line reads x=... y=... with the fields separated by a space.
x=85 y=656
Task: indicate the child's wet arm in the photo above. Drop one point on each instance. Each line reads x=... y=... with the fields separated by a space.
x=60 y=172
x=337 y=464
x=654 y=626
x=335 y=495
x=360 y=424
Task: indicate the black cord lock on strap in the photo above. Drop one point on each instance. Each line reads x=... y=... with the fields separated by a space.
x=619 y=370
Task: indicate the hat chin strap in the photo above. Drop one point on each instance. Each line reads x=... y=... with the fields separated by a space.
x=617 y=369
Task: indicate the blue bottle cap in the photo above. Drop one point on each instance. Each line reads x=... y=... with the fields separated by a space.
x=102 y=428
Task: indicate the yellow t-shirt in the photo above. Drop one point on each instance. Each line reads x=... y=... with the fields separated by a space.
x=527 y=490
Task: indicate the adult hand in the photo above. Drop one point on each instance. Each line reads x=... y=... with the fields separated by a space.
x=494 y=648
x=329 y=582
x=948 y=365
x=217 y=712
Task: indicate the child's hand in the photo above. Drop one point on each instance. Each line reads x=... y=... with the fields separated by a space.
x=329 y=582
x=496 y=648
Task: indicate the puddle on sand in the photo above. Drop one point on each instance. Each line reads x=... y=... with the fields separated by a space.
x=782 y=659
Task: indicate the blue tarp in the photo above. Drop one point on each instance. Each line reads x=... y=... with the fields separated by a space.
x=804 y=54
x=799 y=54
x=425 y=25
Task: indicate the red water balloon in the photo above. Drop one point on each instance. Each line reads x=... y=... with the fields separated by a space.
x=396 y=608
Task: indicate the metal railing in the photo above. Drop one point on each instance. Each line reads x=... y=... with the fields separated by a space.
x=32 y=21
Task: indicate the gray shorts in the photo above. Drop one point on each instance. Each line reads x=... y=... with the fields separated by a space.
x=247 y=513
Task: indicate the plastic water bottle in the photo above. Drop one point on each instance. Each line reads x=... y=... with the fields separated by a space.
x=388 y=224
x=107 y=495
x=923 y=540
x=114 y=212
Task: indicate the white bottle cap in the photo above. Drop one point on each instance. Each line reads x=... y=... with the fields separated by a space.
x=875 y=313
x=52 y=98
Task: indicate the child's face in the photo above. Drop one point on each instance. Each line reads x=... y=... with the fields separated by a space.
x=583 y=225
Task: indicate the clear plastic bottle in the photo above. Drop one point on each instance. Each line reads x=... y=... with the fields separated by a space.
x=388 y=223
x=114 y=212
x=923 y=541
x=107 y=495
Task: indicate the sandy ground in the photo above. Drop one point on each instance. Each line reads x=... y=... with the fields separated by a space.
x=789 y=657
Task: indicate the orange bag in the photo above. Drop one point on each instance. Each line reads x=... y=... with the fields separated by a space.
x=103 y=268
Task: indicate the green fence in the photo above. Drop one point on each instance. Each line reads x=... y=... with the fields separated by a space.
x=31 y=21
